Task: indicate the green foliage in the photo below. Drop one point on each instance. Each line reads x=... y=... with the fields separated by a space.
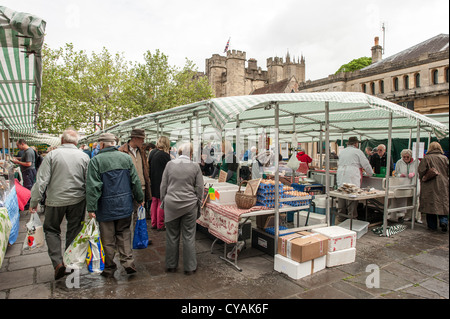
x=355 y=64
x=79 y=88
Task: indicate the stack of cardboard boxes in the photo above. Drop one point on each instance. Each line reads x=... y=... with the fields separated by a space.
x=341 y=245
x=301 y=254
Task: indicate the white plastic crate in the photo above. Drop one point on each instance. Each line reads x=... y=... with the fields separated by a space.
x=359 y=226
x=314 y=219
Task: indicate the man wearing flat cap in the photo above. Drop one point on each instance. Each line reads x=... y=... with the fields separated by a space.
x=351 y=163
x=135 y=148
x=111 y=187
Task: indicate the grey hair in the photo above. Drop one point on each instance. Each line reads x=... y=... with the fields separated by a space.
x=70 y=136
x=186 y=149
x=406 y=152
x=381 y=146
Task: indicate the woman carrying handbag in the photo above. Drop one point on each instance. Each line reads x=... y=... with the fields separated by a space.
x=434 y=187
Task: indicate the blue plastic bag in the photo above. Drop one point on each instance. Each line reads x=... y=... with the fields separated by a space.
x=140 y=239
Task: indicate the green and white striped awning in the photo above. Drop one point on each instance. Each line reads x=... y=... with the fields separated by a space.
x=21 y=41
x=350 y=114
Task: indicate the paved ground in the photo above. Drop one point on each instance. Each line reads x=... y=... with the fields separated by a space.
x=414 y=264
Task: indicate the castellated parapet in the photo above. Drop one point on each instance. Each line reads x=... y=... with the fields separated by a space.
x=229 y=76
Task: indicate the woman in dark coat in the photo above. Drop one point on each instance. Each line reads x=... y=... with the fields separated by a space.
x=158 y=160
x=434 y=193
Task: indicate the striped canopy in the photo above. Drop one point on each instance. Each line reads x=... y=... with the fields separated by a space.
x=21 y=41
x=350 y=114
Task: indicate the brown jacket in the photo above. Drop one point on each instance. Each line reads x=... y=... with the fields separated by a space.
x=125 y=148
x=434 y=193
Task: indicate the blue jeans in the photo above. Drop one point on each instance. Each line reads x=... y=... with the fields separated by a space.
x=432 y=220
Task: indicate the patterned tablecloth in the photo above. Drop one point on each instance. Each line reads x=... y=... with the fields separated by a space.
x=222 y=221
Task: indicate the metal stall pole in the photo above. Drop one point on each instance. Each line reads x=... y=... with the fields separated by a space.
x=238 y=148
x=157 y=130
x=294 y=147
x=190 y=129
x=277 y=178
x=410 y=137
x=416 y=177
x=320 y=148
x=388 y=169
x=327 y=163
x=429 y=140
x=3 y=143
x=197 y=141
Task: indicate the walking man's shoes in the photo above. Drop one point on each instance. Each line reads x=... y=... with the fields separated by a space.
x=60 y=271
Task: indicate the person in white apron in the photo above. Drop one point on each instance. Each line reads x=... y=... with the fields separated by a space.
x=351 y=163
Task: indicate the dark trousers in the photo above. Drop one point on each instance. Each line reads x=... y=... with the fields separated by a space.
x=75 y=215
x=116 y=236
x=29 y=177
x=432 y=220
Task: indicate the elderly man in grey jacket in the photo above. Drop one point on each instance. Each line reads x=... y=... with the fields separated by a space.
x=62 y=178
x=181 y=195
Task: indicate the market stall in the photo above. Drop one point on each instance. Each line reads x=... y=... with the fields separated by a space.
x=311 y=116
x=21 y=41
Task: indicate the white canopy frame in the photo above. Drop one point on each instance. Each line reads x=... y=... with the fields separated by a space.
x=309 y=115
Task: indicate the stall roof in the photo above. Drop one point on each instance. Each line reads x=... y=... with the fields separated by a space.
x=349 y=114
x=21 y=41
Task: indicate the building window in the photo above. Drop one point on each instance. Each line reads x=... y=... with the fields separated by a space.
x=395 y=84
x=435 y=76
x=363 y=88
x=417 y=80
x=381 y=84
x=372 y=88
x=446 y=75
x=406 y=82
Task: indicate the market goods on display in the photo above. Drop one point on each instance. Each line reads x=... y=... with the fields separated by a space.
x=266 y=195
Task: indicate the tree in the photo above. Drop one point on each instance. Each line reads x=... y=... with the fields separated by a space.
x=160 y=86
x=355 y=64
x=102 y=89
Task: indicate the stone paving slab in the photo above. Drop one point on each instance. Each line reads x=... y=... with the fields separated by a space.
x=413 y=265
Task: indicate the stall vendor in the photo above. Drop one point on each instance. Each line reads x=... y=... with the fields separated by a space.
x=229 y=163
x=351 y=163
x=406 y=167
x=379 y=160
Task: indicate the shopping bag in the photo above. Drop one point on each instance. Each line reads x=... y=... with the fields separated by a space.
x=140 y=239
x=35 y=233
x=293 y=162
x=75 y=255
x=95 y=256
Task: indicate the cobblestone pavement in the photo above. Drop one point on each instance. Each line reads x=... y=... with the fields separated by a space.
x=414 y=264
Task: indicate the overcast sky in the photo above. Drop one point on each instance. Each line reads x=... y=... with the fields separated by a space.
x=328 y=33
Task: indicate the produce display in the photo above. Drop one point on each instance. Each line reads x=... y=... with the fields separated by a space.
x=266 y=195
x=352 y=189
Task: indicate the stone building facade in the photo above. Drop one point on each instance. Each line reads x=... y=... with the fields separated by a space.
x=417 y=78
x=229 y=76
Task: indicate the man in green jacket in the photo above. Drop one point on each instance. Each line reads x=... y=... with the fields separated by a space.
x=111 y=186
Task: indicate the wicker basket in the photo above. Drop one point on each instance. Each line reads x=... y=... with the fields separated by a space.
x=245 y=201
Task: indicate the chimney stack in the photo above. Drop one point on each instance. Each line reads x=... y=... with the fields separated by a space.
x=377 y=51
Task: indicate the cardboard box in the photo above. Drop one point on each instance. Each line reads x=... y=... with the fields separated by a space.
x=297 y=270
x=341 y=257
x=302 y=246
x=338 y=238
